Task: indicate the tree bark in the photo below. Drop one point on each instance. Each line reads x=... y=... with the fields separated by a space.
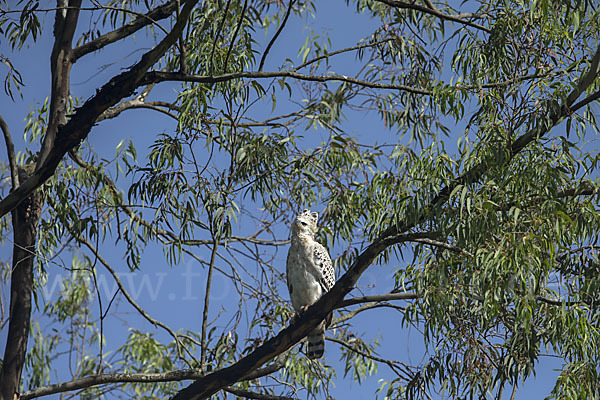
x=61 y=62
x=25 y=219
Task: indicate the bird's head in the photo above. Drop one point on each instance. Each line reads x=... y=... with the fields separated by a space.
x=305 y=223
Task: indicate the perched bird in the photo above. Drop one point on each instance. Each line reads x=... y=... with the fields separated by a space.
x=310 y=274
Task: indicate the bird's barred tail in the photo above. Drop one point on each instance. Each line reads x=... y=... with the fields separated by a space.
x=316 y=344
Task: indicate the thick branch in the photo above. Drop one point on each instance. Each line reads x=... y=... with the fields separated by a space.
x=25 y=220
x=60 y=65
x=10 y=152
x=102 y=379
x=587 y=78
x=156 y=76
x=94 y=380
x=156 y=14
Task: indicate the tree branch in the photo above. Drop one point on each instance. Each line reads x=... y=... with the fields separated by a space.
x=235 y=33
x=586 y=80
x=211 y=268
x=593 y=97
x=272 y=41
x=443 y=245
x=157 y=76
x=151 y=17
x=378 y=298
x=434 y=12
x=333 y=53
x=24 y=223
x=161 y=76
x=65 y=23
x=10 y=152
x=364 y=307
x=102 y=379
x=246 y=394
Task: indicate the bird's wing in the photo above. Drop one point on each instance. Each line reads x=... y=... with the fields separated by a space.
x=324 y=267
x=287 y=273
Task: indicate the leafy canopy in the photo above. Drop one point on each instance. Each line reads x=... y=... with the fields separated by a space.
x=459 y=142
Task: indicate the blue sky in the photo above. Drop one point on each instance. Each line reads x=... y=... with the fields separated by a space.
x=174 y=295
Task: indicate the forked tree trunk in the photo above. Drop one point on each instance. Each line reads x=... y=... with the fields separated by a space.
x=25 y=219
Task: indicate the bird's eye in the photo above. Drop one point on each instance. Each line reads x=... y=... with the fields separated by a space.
x=303 y=223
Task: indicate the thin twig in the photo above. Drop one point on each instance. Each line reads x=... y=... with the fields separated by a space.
x=131 y=301
x=285 y=19
x=216 y=39
x=379 y=298
x=211 y=267
x=237 y=29
x=400 y=369
x=333 y=53
x=434 y=12
x=246 y=394
x=443 y=245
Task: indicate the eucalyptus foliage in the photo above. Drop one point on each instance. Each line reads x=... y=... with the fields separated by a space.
x=478 y=176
